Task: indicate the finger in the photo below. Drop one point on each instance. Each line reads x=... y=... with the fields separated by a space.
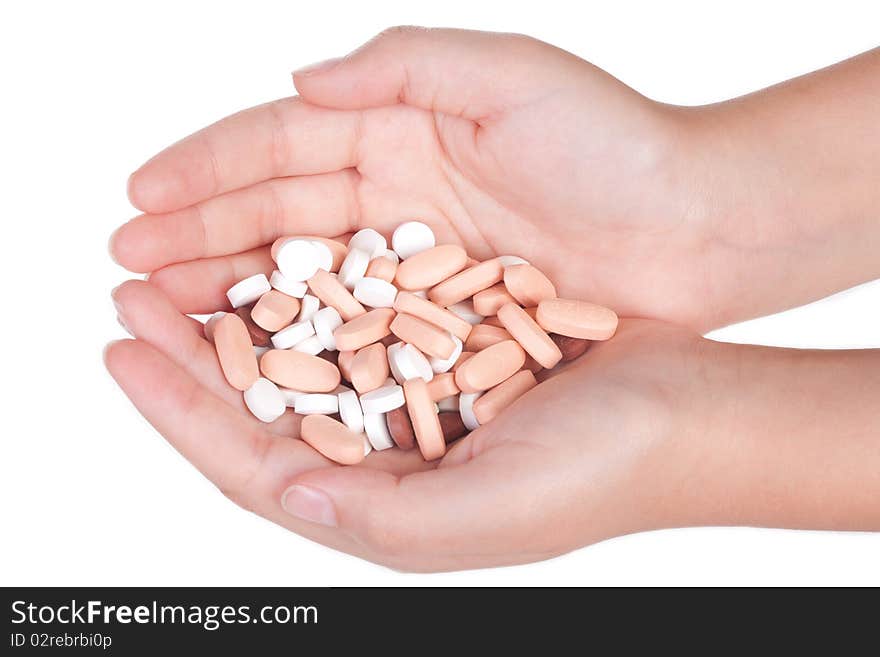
x=463 y=73
x=286 y=137
x=324 y=204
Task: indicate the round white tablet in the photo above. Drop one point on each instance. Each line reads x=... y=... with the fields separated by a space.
x=465 y=310
x=448 y=403
x=509 y=260
x=375 y=292
x=350 y=411
x=391 y=255
x=466 y=409
x=325 y=322
x=353 y=267
x=440 y=365
x=407 y=362
x=377 y=431
x=368 y=240
x=308 y=307
x=293 y=334
x=316 y=404
x=311 y=346
x=290 y=288
x=382 y=400
x=248 y=290
x=325 y=255
x=264 y=400
x=290 y=396
x=412 y=237
x=210 y=323
x=298 y=260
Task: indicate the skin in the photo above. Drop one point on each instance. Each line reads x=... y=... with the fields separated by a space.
x=659 y=212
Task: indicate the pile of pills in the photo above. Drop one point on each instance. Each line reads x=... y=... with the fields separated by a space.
x=412 y=346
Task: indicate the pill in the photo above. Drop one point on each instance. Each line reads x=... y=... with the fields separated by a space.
x=291 y=288
x=467 y=283
x=260 y=337
x=571 y=348
x=448 y=404
x=325 y=255
x=392 y=256
x=442 y=386
x=369 y=241
x=577 y=319
x=466 y=409
x=382 y=268
x=317 y=404
x=350 y=411
x=308 y=306
x=332 y=293
x=407 y=362
x=422 y=414
x=264 y=400
x=338 y=249
x=311 y=345
x=248 y=290
x=369 y=368
x=210 y=323
x=489 y=367
x=365 y=329
x=461 y=359
x=440 y=365
x=426 y=337
x=400 y=428
x=483 y=335
x=367 y=446
x=377 y=431
x=325 y=322
x=528 y=285
x=382 y=399
x=274 y=310
x=530 y=336
x=487 y=407
x=235 y=352
x=297 y=259
x=332 y=439
x=290 y=395
x=293 y=369
x=353 y=268
x=428 y=268
x=412 y=237
x=409 y=303
x=343 y=361
x=292 y=335
x=259 y=351
x=452 y=425
x=510 y=260
x=488 y=301
x=465 y=310
x=375 y=292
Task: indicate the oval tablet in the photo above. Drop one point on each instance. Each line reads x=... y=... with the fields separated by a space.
x=412 y=237
x=382 y=268
x=411 y=304
x=383 y=399
x=407 y=362
x=316 y=404
x=274 y=310
x=292 y=335
x=308 y=306
x=377 y=431
x=430 y=267
x=442 y=386
x=426 y=426
x=248 y=290
x=332 y=439
x=364 y=329
x=528 y=285
x=235 y=351
x=375 y=292
x=487 y=407
x=530 y=336
x=293 y=369
x=329 y=290
x=369 y=368
x=426 y=337
x=466 y=283
x=291 y=288
x=311 y=345
x=484 y=335
x=350 y=411
x=465 y=310
x=264 y=400
x=577 y=319
x=489 y=367
x=488 y=301
x=343 y=361
x=353 y=268
x=325 y=322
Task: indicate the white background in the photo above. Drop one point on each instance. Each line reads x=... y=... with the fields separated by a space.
x=90 y=494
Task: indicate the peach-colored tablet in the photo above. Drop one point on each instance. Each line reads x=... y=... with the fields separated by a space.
x=429 y=267
x=528 y=285
x=274 y=310
x=530 y=336
x=235 y=351
x=425 y=337
x=489 y=367
x=409 y=303
x=382 y=268
x=400 y=427
x=260 y=337
x=369 y=368
x=300 y=371
x=571 y=348
x=338 y=249
x=483 y=335
x=333 y=439
x=577 y=319
x=461 y=359
x=364 y=329
x=333 y=293
x=489 y=405
x=343 y=361
x=466 y=283
x=488 y=301
x=442 y=386
x=452 y=426
x=426 y=426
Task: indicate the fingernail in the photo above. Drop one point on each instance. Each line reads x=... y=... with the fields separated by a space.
x=123 y=325
x=110 y=245
x=319 y=67
x=309 y=504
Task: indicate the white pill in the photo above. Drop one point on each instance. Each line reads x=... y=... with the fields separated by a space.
x=290 y=396
x=298 y=260
x=316 y=404
x=391 y=255
x=308 y=307
x=264 y=400
x=466 y=409
x=377 y=431
x=290 y=288
x=440 y=365
x=509 y=261
x=448 y=404
x=368 y=240
x=311 y=346
x=325 y=255
x=353 y=267
x=382 y=400
x=248 y=290
x=465 y=310
x=210 y=323
x=350 y=411
x=412 y=237
x=375 y=292
x=325 y=322
x=292 y=335
x=421 y=293
x=407 y=362
x=367 y=446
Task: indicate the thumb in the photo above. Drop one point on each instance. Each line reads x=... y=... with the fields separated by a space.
x=458 y=72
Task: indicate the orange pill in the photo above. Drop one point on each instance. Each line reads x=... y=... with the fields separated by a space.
x=338 y=249
x=364 y=329
x=235 y=351
x=442 y=386
x=483 y=335
x=489 y=367
x=426 y=425
x=409 y=303
x=333 y=293
x=530 y=336
x=452 y=426
x=427 y=268
x=260 y=337
x=467 y=283
x=425 y=337
x=274 y=310
x=489 y=405
x=488 y=301
x=382 y=268
x=343 y=362
x=333 y=439
x=300 y=371
x=461 y=359
x=528 y=285
x=369 y=368
x=577 y=319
